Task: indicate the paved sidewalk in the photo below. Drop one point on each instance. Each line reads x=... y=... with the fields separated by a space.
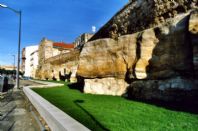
x=56 y=119
x=14 y=112
x=44 y=84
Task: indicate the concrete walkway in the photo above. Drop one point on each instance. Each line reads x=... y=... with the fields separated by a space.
x=14 y=112
x=18 y=114
x=44 y=84
x=56 y=119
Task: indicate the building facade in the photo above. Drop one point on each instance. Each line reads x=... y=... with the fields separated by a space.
x=46 y=50
x=33 y=63
x=82 y=39
x=31 y=60
x=53 y=58
x=23 y=61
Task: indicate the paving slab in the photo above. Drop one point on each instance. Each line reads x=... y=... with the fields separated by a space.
x=6 y=125
x=6 y=109
x=14 y=113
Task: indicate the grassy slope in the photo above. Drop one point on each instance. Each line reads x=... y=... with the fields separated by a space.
x=115 y=113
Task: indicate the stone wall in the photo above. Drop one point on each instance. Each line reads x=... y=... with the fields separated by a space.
x=59 y=67
x=175 y=89
x=107 y=86
x=139 y=15
x=158 y=63
x=107 y=57
x=44 y=71
x=153 y=53
x=193 y=29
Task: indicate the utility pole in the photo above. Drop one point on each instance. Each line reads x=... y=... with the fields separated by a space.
x=19 y=39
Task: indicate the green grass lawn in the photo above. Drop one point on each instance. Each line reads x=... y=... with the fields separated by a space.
x=99 y=112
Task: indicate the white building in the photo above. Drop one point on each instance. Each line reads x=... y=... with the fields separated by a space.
x=33 y=63
x=31 y=60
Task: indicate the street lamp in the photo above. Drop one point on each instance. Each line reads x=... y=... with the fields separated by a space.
x=19 y=39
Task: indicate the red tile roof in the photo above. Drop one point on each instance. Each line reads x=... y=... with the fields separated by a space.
x=62 y=45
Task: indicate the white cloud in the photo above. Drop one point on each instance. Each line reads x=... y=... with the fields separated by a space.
x=93 y=29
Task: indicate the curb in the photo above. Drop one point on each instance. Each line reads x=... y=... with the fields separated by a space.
x=56 y=119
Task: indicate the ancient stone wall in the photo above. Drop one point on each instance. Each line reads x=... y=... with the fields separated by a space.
x=139 y=15
x=158 y=63
x=193 y=29
x=59 y=67
x=153 y=53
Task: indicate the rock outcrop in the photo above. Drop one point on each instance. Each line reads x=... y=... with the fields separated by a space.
x=172 y=69
x=148 y=50
x=175 y=89
x=107 y=57
x=157 y=63
x=193 y=29
x=104 y=64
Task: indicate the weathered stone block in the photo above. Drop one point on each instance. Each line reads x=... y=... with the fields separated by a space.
x=174 y=89
x=147 y=43
x=193 y=29
x=107 y=57
x=108 y=86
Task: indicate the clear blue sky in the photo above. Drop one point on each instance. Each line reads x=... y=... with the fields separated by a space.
x=57 y=20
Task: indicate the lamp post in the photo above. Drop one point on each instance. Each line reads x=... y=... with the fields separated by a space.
x=19 y=39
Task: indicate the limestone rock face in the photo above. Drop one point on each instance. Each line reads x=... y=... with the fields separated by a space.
x=109 y=60
x=108 y=86
x=193 y=29
x=173 y=89
x=172 y=69
x=107 y=57
x=146 y=43
x=172 y=55
x=193 y=22
x=154 y=53
x=143 y=59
